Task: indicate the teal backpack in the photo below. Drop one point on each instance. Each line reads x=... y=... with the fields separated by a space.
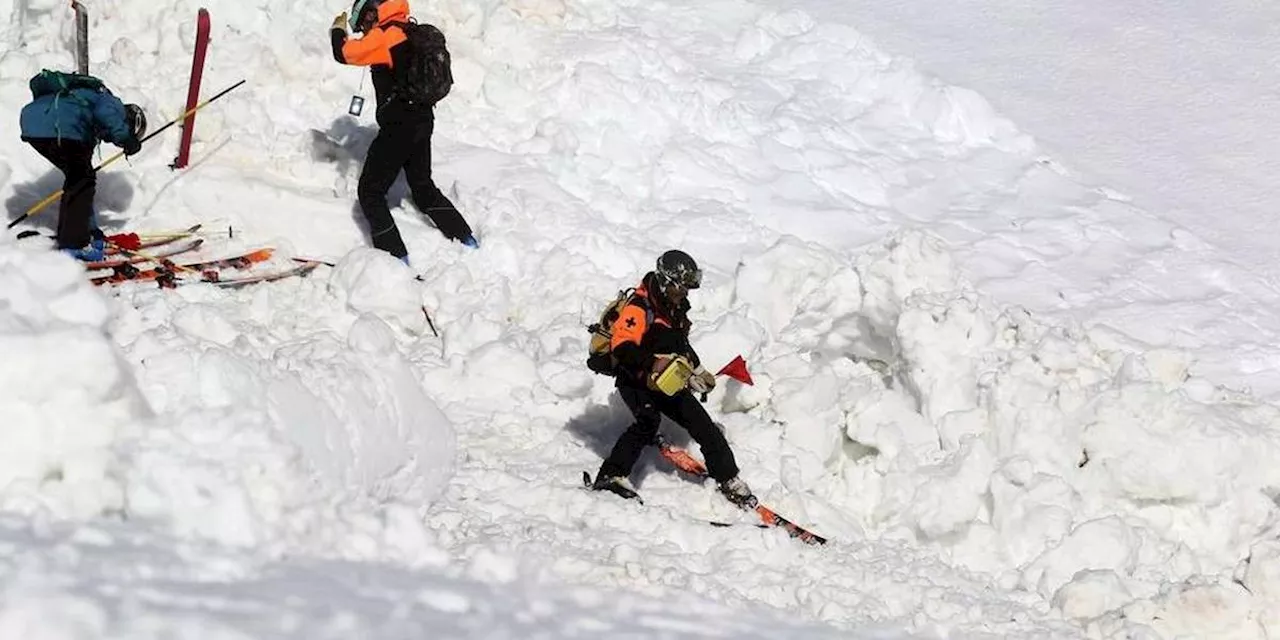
x=61 y=83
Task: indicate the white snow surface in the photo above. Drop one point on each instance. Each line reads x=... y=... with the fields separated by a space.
x=962 y=372
x=1157 y=104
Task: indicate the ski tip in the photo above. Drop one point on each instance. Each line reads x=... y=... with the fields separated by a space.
x=771 y=518
x=300 y=270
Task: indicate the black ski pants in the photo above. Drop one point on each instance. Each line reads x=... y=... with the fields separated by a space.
x=75 y=159
x=404 y=144
x=648 y=407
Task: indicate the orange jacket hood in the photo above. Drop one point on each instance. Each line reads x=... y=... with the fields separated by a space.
x=393 y=11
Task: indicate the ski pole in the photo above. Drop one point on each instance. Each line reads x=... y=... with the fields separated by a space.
x=429 y=322
x=150 y=258
x=55 y=195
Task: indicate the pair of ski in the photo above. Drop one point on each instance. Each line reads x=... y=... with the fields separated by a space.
x=169 y=274
x=682 y=460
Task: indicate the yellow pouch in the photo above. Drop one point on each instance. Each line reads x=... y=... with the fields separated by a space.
x=674 y=378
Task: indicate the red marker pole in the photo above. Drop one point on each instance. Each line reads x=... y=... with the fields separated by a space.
x=193 y=89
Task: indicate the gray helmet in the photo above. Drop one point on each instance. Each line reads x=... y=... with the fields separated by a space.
x=137 y=119
x=678 y=268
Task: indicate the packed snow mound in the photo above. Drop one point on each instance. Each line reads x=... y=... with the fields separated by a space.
x=198 y=412
x=68 y=395
x=1018 y=447
x=321 y=419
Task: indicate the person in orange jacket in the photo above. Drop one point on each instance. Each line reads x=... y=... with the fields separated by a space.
x=405 y=122
x=650 y=332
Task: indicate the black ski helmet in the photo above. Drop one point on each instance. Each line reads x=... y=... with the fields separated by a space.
x=676 y=267
x=137 y=120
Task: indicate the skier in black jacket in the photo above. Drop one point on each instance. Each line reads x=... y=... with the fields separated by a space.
x=405 y=125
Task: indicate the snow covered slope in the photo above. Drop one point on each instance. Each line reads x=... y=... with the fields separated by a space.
x=1164 y=104
x=879 y=246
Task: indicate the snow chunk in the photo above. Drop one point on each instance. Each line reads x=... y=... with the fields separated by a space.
x=1105 y=543
x=1262 y=579
x=1090 y=594
x=951 y=495
x=1155 y=446
x=372 y=281
x=1218 y=610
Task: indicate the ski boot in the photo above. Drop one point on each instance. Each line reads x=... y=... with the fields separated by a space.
x=616 y=485
x=736 y=491
x=95 y=251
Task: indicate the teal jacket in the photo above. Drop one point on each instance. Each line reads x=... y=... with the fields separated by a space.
x=80 y=109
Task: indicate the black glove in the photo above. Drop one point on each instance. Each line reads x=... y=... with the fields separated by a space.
x=131 y=146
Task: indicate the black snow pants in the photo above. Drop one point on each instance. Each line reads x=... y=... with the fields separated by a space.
x=75 y=159
x=648 y=407
x=404 y=142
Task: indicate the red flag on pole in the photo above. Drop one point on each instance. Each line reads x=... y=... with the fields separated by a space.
x=737 y=369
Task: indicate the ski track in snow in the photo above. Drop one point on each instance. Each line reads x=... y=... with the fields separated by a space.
x=306 y=459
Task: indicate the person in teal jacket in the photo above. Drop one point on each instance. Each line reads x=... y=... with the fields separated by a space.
x=68 y=116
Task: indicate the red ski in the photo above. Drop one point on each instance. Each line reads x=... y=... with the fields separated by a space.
x=682 y=460
x=167 y=273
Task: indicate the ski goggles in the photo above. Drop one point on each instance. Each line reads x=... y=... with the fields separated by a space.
x=683 y=278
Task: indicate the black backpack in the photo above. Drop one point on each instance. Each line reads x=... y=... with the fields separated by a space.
x=428 y=77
